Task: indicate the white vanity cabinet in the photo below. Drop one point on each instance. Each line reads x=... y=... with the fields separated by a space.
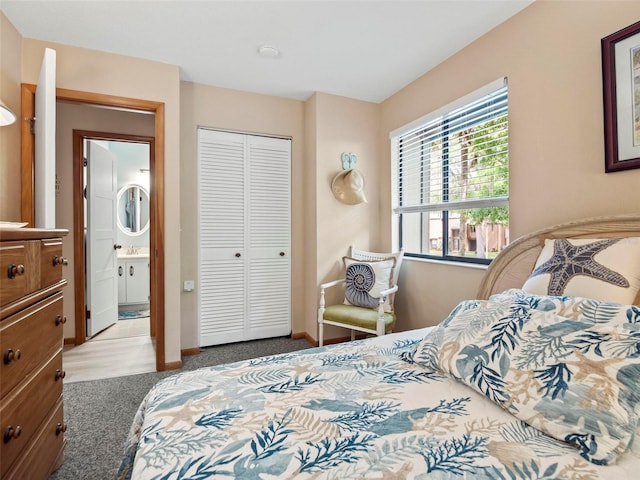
x=133 y=280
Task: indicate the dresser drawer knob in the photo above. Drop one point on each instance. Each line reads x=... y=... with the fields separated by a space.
x=11 y=433
x=60 y=320
x=59 y=261
x=11 y=355
x=15 y=270
x=60 y=374
x=61 y=428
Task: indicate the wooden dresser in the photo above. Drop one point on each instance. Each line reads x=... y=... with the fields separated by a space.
x=31 y=338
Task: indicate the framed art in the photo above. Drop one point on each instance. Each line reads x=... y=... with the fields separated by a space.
x=621 y=92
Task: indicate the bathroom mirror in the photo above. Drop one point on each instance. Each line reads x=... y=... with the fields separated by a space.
x=133 y=209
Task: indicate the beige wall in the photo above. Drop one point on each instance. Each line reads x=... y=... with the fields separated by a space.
x=321 y=129
x=226 y=109
x=100 y=72
x=551 y=54
x=310 y=214
x=82 y=117
x=341 y=125
x=10 y=65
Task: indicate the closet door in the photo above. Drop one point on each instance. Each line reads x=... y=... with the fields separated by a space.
x=221 y=174
x=244 y=227
x=269 y=226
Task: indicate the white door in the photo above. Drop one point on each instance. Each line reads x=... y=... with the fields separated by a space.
x=269 y=227
x=102 y=261
x=221 y=221
x=45 y=144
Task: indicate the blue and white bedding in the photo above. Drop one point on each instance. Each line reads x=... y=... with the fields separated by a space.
x=407 y=405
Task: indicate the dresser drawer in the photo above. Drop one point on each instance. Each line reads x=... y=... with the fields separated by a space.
x=31 y=334
x=26 y=409
x=51 y=261
x=39 y=459
x=18 y=270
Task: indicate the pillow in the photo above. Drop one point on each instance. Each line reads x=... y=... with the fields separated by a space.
x=375 y=256
x=566 y=366
x=365 y=281
x=605 y=269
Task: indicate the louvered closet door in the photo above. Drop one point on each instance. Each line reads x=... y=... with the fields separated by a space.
x=269 y=268
x=244 y=225
x=221 y=173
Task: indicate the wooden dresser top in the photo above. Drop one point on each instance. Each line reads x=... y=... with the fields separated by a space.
x=10 y=234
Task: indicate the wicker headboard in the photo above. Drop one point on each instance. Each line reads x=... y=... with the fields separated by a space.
x=511 y=268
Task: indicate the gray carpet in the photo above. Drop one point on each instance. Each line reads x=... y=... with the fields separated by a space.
x=99 y=413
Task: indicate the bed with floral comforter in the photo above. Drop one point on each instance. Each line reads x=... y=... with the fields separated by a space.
x=515 y=387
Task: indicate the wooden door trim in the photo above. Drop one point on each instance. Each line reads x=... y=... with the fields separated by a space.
x=156 y=200
x=79 y=250
x=27 y=150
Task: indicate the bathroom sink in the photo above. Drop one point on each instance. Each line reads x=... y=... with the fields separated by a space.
x=133 y=255
x=133 y=252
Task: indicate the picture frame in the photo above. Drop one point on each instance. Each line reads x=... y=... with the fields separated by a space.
x=621 y=98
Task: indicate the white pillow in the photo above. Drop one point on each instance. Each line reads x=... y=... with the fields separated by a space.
x=375 y=256
x=366 y=279
x=603 y=269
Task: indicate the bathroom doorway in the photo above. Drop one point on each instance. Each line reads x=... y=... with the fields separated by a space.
x=116 y=232
x=157 y=260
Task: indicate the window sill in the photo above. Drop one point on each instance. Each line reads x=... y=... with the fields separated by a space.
x=477 y=266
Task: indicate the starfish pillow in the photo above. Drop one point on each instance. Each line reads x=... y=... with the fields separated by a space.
x=603 y=269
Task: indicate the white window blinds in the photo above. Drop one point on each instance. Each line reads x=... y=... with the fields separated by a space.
x=455 y=158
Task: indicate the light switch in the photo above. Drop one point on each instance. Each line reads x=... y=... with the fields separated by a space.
x=189 y=286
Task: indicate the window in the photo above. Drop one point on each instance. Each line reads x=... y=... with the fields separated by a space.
x=451 y=179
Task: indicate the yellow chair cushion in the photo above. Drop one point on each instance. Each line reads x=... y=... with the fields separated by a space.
x=358 y=317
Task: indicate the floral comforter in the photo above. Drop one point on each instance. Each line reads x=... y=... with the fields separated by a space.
x=356 y=410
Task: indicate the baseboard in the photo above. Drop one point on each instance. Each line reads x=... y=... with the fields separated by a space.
x=310 y=339
x=331 y=341
x=173 y=365
x=327 y=341
x=306 y=336
x=70 y=341
x=190 y=351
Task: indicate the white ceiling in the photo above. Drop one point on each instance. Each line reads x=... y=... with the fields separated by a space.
x=363 y=49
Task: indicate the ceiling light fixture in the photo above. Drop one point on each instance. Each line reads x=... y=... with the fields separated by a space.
x=268 y=51
x=7 y=117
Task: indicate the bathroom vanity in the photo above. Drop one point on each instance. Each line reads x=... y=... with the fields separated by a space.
x=133 y=278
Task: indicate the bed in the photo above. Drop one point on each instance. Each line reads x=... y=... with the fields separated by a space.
x=516 y=384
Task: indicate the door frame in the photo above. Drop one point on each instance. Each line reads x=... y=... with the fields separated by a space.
x=156 y=200
x=80 y=277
